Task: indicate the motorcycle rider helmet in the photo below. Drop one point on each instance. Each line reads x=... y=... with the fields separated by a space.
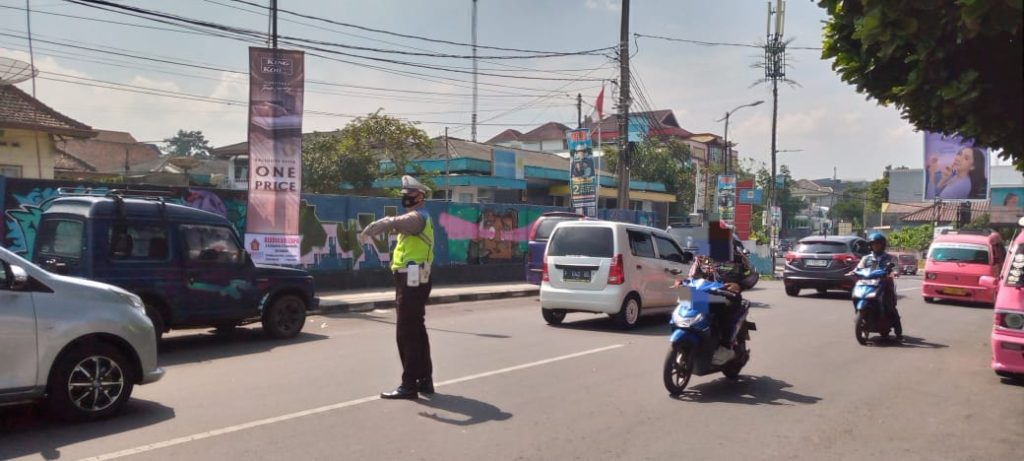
x=878 y=237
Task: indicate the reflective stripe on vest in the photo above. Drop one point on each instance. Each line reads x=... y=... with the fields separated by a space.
x=417 y=248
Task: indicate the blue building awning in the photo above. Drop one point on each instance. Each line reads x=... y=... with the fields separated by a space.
x=453 y=181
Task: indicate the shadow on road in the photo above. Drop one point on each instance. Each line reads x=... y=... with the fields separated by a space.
x=205 y=346
x=844 y=295
x=29 y=430
x=381 y=319
x=472 y=411
x=651 y=325
x=908 y=342
x=749 y=390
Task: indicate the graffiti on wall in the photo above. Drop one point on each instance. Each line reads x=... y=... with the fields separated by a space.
x=25 y=200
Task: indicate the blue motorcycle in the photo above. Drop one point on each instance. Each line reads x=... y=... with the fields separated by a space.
x=697 y=329
x=870 y=303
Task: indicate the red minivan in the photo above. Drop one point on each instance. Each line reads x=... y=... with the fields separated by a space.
x=957 y=259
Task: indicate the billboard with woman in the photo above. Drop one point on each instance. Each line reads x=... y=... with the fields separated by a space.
x=955 y=169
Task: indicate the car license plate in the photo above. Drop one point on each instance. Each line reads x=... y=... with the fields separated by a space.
x=817 y=263
x=954 y=291
x=576 y=275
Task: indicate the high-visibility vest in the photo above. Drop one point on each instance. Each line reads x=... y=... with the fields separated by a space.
x=417 y=248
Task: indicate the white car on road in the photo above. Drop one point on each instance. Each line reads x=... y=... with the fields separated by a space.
x=623 y=270
x=78 y=344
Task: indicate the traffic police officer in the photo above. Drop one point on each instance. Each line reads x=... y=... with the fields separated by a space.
x=411 y=266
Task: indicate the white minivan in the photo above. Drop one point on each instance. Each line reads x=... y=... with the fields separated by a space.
x=623 y=270
x=80 y=345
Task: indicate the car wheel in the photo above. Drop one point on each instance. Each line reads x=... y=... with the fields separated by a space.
x=157 y=317
x=792 y=291
x=284 y=317
x=91 y=381
x=629 y=314
x=553 y=316
x=677 y=370
x=929 y=300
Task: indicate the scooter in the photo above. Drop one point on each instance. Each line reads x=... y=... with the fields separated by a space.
x=869 y=294
x=696 y=334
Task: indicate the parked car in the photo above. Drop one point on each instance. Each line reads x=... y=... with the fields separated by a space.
x=623 y=270
x=80 y=345
x=906 y=263
x=538 y=240
x=188 y=266
x=1008 y=325
x=822 y=263
x=957 y=259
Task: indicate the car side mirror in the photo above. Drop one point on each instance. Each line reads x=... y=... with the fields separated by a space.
x=987 y=281
x=687 y=257
x=18 y=280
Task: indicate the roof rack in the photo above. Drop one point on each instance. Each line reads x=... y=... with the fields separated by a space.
x=79 y=191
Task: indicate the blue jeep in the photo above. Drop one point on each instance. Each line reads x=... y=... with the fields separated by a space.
x=188 y=266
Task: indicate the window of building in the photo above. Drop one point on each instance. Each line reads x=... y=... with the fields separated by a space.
x=10 y=171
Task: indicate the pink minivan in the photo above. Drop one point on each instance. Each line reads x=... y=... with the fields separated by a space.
x=956 y=260
x=1008 y=325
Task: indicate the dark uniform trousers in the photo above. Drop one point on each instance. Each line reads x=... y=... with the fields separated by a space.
x=413 y=344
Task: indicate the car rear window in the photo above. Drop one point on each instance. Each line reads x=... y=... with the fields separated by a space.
x=906 y=258
x=822 y=247
x=547 y=225
x=595 y=242
x=61 y=238
x=959 y=252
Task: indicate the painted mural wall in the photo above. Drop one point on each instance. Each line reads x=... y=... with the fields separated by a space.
x=465 y=233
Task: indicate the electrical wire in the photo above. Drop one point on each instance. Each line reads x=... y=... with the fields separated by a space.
x=705 y=43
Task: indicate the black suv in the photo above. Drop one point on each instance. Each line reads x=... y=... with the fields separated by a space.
x=822 y=263
x=187 y=265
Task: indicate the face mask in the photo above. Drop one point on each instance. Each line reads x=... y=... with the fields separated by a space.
x=409 y=201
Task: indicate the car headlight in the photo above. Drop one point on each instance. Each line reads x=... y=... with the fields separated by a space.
x=131 y=299
x=1015 y=321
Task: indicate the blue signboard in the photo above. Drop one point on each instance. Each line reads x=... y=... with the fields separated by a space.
x=751 y=196
x=505 y=165
x=638 y=129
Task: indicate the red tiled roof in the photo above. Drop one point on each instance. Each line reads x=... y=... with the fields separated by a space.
x=107 y=152
x=946 y=213
x=550 y=130
x=662 y=124
x=20 y=110
x=507 y=135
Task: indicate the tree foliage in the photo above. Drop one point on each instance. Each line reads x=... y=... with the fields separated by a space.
x=948 y=66
x=187 y=144
x=352 y=155
x=667 y=162
x=911 y=238
x=849 y=207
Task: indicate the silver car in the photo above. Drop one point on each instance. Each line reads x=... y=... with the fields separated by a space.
x=80 y=345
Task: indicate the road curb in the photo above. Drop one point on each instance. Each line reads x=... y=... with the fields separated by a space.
x=340 y=307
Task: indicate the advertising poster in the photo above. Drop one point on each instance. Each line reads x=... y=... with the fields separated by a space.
x=582 y=173
x=506 y=164
x=1007 y=205
x=954 y=169
x=726 y=198
x=276 y=80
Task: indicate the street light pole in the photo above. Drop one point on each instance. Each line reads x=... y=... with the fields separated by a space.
x=728 y=151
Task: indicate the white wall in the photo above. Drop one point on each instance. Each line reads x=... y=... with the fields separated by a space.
x=18 y=148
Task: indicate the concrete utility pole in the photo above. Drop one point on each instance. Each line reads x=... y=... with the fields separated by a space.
x=475 y=97
x=832 y=203
x=273 y=23
x=774 y=70
x=728 y=151
x=624 y=151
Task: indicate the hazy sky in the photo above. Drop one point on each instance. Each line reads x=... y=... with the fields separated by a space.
x=826 y=119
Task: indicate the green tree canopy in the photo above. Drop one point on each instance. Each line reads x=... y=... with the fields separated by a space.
x=663 y=161
x=351 y=156
x=948 y=66
x=187 y=144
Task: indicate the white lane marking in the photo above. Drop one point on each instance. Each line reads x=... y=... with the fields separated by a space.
x=323 y=409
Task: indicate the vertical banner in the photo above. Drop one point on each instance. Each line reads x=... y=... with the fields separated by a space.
x=276 y=80
x=954 y=168
x=726 y=198
x=582 y=173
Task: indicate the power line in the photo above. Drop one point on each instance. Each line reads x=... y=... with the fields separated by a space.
x=154 y=15
x=705 y=43
x=596 y=51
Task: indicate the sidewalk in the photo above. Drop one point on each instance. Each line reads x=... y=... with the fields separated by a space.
x=384 y=298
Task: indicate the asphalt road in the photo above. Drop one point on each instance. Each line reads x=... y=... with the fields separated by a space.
x=511 y=387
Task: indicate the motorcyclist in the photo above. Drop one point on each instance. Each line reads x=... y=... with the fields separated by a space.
x=878 y=259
